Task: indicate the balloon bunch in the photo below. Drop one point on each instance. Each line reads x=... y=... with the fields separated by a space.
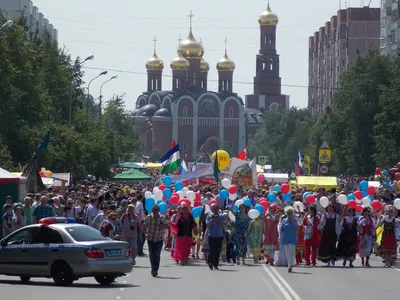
x=46 y=173
x=385 y=177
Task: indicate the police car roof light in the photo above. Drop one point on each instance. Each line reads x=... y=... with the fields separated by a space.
x=56 y=220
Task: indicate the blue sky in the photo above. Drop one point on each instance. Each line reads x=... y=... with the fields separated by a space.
x=119 y=34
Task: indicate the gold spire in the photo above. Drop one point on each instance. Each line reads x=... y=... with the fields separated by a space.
x=226 y=64
x=204 y=65
x=190 y=47
x=268 y=18
x=154 y=62
x=179 y=63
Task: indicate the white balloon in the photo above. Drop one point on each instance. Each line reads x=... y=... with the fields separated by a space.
x=155 y=189
x=342 y=199
x=232 y=197
x=158 y=195
x=191 y=195
x=239 y=202
x=397 y=203
x=226 y=183
x=298 y=206
x=324 y=201
x=181 y=195
x=147 y=194
x=253 y=213
x=367 y=202
x=232 y=216
x=185 y=190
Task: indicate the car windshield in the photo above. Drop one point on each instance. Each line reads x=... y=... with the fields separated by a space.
x=85 y=234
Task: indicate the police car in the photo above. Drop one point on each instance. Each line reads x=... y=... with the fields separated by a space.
x=60 y=249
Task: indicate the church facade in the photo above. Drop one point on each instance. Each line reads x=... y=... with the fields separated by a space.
x=208 y=120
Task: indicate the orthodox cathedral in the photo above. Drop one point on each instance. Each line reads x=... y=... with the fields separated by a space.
x=208 y=120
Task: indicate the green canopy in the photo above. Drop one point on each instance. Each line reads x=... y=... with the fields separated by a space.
x=130 y=165
x=132 y=174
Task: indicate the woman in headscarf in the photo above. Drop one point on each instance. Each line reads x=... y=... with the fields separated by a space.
x=271 y=235
x=347 y=246
x=390 y=235
x=366 y=229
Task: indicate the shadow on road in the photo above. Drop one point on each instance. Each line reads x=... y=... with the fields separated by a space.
x=168 y=277
x=74 y=285
x=227 y=270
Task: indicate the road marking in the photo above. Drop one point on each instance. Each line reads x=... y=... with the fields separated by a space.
x=118 y=297
x=125 y=282
x=288 y=287
x=121 y=289
x=277 y=283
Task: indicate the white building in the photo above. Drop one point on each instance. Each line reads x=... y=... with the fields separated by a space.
x=12 y=9
x=390 y=26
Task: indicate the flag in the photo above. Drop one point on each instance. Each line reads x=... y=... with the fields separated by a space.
x=300 y=170
x=45 y=143
x=183 y=169
x=194 y=167
x=242 y=155
x=171 y=161
x=173 y=144
x=215 y=168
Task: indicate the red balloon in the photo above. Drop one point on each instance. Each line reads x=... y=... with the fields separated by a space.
x=263 y=199
x=310 y=199
x=198 y=197
x=164 y=198
x=352 y=204
x=176 y=194
x=397 y=176
x=174 y=199
x=285 y=188
x=212 y=202
x=197 y=203
x=41 y=174
x=232 y=189
x=371 y=190
x=264 y=204
x=378 y=171
x=162 y=187
x=359 y=208
x=358 y=195
x=187 y=201
x=377 y=205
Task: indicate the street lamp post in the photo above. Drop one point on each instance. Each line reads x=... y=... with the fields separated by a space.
x=9 y=23
x=70 y=88
x=101 y=92
x=88 y=95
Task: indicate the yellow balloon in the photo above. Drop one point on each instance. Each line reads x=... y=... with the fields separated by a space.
x=223 y=159
x=43 y=170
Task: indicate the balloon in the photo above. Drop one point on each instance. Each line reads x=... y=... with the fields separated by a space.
x=163 y=207
x=376 y=205
x=43 y=169
x=285 y=188
x=271 y=197
x=235 y=208
x=264 y=204
x=351 y=197
x=232 y=197
x=253 y=214
x=185 y=201
x=198 y=196
x=247 y=202
x=223 y=194
x=147 y=194
x=263 y=199
x=162 y=187
x=41 y=174
x=260 y=208
x=396 y=203
x=178 y=186
x=232 y=216
x=160 y=201
x=261 y=178
x=378 y=171
x=352 y=204
x=190 y=195
x=359 y=208
x=196 y=212
x=371 y=198
x=223 y=159
x=358 y=195
x=167 y=193
x=158 y=195
x=366 y=201
x=197 y=203
x=287 y=197
x=324 y=201
x=342 y=199
x=49 y=174
x=226 y=183
x=310 y=199
x=277 y=188
x=174 y=199
x=185 y=190
x=232 y=189
x=239 y=202
x=149 y=204
x=212 y=202
x=385 y=172
x=306 y=194
x=363 y=185
x=167 y=180
x=181 y=195
x=298 y=206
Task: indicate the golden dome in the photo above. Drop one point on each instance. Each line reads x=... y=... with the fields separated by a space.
x=204 y=66
x=179 y=62
x=268 y=18
x=154 y=63
x=191 y=48
x=226 y=64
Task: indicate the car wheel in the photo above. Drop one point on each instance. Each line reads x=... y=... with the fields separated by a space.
x=25 y=279
x=62 y=274
x=105 y=280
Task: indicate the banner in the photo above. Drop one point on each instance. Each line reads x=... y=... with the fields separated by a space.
x=208 y=171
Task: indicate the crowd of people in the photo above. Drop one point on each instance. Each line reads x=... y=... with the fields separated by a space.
x=283 y=235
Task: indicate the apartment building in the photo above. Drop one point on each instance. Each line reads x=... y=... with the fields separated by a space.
x=390 y=26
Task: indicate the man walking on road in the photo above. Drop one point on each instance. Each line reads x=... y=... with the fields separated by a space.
x=154 y=227
x=215 y=224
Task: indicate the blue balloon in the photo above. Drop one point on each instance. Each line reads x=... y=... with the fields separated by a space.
x=351 y=197
x=363 y=185
x=364 y=194
x=385 y=172
x=287 y=197
x=247 y=202
x=223 y=194
x=167 y=193
x=306 y=194
x=371 y=198
x=159 y=201
x=235 y=208
x=358 y=214
x=178 y=186
x=271 y=197
x=277 y=188
x=259 y=208
x=149 y=204
x=167 y=180
x=163 y=208
x=196 y=212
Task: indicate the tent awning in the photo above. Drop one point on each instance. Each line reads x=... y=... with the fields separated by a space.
x=313 y=182
x=132 y=174
x=7 y=177
x=130 y=165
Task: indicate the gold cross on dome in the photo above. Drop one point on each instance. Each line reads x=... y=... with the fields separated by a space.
x=201 y=41
x=226 y=44
x=179 y=40
x=190 y=16
x=155 y=43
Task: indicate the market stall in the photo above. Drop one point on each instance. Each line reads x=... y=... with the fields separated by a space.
x=315 y=182
x=132 y=175
x=11 y=185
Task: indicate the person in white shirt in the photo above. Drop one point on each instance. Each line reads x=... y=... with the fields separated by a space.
x=92 y=211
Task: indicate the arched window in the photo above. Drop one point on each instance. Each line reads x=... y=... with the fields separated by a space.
x=250 y=137
x=153 y=136
x=185 y=111
x=230 y=112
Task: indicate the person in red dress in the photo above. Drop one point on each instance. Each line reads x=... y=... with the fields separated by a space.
x=390 y=235
x=300 y=247
x=311 y=236
x=271 y=234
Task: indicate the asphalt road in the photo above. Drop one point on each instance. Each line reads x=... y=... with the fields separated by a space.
x=197 y=282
